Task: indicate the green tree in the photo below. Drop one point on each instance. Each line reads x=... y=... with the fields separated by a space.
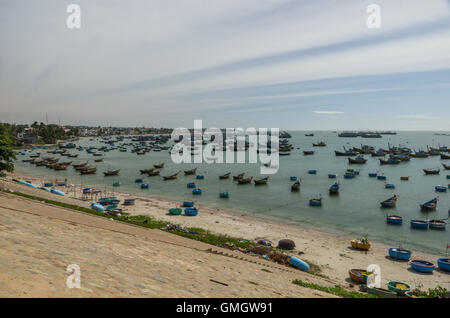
x=7 y=154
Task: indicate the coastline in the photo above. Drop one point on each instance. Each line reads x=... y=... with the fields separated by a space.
x=330 y=251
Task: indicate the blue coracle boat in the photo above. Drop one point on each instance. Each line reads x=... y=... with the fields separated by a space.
x=145 y=186
x=190 y=211
x=197 y=191
x=373 y=175
x=399 y=253
x=422 y=266
x=381 y=177
x=420 y=224
x=191 y=185
x=444 y=264
x=188 y=204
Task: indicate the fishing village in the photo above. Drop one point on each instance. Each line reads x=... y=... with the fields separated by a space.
x=284 y=245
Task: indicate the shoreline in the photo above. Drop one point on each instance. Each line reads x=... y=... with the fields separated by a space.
x=330 y=251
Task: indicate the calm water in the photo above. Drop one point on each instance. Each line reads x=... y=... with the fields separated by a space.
x=356 y=210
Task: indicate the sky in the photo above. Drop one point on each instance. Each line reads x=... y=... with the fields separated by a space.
x=288 y=64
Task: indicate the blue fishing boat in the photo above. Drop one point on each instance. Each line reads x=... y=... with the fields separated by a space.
x=399 y=253
x=188 y=204
x=129 y=201
x=200 y=177
x=97 y=207
x=438 y=224
x=48 y=184
x=334 y=189
x=46 y=189
x=315 y=202
x=349 y=175
x=108 y=200
x=139 y=180
x=389 y=186
x=298 y=263
x=394 y=219
x=440 y=188
x=332 y=176
x=293 y=178
x=190 y=211
x=58 y=192
x=422 y=266
x=430 y=205
x=197 y=191
x=444 y=264
x=420 y=224
x=373 y=174
x=312 y=171
x=191 y=185
x=145 y=186
x=111 y=207
x=381 y=177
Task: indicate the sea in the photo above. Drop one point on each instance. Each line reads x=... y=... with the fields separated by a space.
x=355 y=211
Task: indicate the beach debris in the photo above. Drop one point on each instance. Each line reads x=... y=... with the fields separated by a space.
x=286 y=244
x=179 y=228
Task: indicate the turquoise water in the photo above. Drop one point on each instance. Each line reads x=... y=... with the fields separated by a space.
x=356 y=210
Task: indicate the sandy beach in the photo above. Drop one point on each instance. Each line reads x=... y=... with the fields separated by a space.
x=331 y=252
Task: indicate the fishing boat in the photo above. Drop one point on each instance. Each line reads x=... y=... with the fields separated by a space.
x=159 y=166
x=431 y=171
x=197 y=191
x=293 y=178
x=394 y=219
x=148 y=170
x=139 y=180
x=381 y=177
x=111 y=173
x=116 y=184
x=224 y=195
x=359 y=275
x=312 y=171
x=357 y=160
x=444 y=156
x=245 y=181
x=361 y=244
x=419 y=154
x=399 y=253
x=188 y=204
x=399 y=287
x=154 y=173
x=298 y=263
x=419 y=224
x=200 y=177
x=88 y=171
x=145 y=186
x=80 y=165
x=440 y=188
x=315 y=202
x=422 y=266
x=345 y=153
x=429 y=205
x=373 y=174
x=225 y=176
x=296 y=186
x=190 y=172
x=444 y=264
x=404 y=178
x=190 y=211
x=332 y=176
x=98 y=160
x=438 y=224
x=261 y=181
x=378 y=153
x=446 y=167
x=389 y=203
x=175 y=211
x=390 y=186
x=319 y=144
x=389 y=161
x=239 y=176
x=171 y=177
x=379 y=292
x=191 y=185
x=349 y=175
x=129 y=201
x=334 y=189
x=308 y=152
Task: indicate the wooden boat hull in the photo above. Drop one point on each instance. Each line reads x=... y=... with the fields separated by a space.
x=360 y=245
x=357 y=275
